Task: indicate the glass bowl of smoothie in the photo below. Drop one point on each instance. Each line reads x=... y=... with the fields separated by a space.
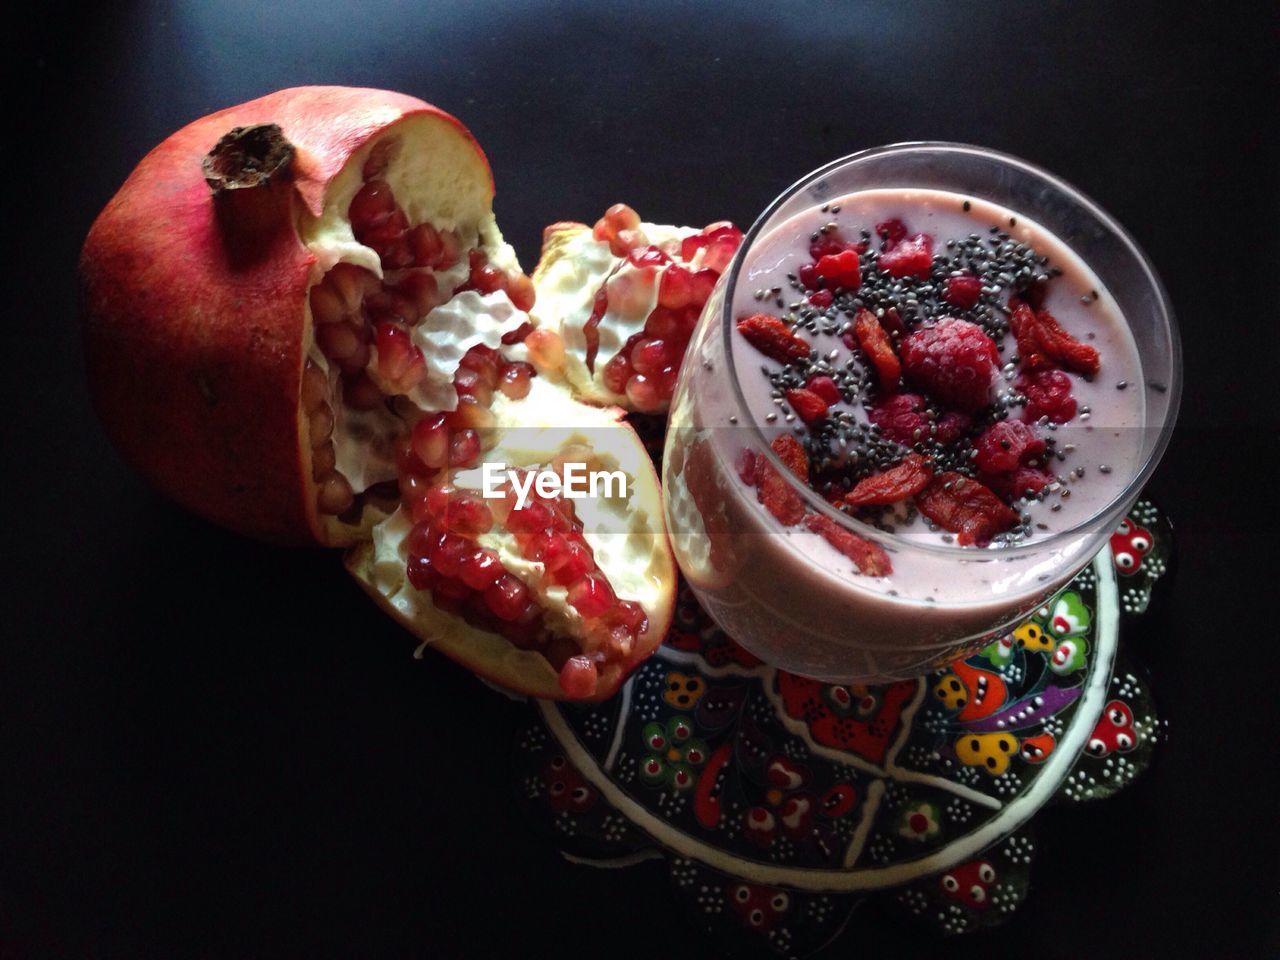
x=926 y=392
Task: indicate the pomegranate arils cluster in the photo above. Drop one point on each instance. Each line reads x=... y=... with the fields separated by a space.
x=646 y=367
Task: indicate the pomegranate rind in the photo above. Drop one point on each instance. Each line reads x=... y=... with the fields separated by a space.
x=571 y=268
x=379 y=565
x=195 y=343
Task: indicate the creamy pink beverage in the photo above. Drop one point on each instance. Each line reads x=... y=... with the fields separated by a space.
x=837 y=589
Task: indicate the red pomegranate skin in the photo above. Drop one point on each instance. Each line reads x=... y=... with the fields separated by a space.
x=194 y=337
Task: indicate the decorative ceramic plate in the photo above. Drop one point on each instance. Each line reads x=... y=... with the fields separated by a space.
x=779 y=801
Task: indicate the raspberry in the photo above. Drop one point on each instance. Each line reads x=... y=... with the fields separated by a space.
x=902 y=418
x=962 y=292
x=1022 y=482
x=912 y=257
x=1007 y=445
x=840 y=270
x=891 y=232
x=953 y=360
x=809 y=406
x=1048 y=394
x=828 y=245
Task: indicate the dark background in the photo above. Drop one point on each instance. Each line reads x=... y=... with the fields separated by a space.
x=210 y=748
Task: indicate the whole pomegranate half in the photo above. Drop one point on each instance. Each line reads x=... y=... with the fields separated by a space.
x=302 y=322
x=617 y=304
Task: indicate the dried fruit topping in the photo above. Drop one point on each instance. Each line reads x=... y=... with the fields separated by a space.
x=1064 y=349
x=962 y=291
x=954 y=360
x=822 y=299
x=966 y=508
x=1048 y=394
x=907 y=418
x=869 y=557
x=912 y=257
x=875 y=343
x=1042 y=342
x=840 y=271
x=1007 y=445
x=774 y=490
x=773 y=338
x=808 y=406
x=891 y=486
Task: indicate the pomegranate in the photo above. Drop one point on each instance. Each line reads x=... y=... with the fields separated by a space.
x=302 y=322
x=617 y=303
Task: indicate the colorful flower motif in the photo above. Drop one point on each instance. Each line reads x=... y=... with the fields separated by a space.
x=789 y=809
x=832 y=724
x=1069 y=616
x=1000 y=652
x=989 y=751
x=919 y=822
x=567 y=789
x=1070 y=656
x=1033 y=636
x=1114 y=732
x=969 y=883
x=759 y=908
x=675 y=754
x=683 y=691
x=1129 y=544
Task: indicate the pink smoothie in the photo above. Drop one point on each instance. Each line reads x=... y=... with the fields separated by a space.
x=766 y=580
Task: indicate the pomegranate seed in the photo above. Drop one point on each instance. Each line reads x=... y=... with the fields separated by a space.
x=450 y=250
x=421 y=574
x=616 y=373
x=520 y=292
x=334 y=494
x=338 y=341
x=506 y=597
x=360 y=393
x=322 y=460
x=515 y=380
x=644 y=394
x=422 y=291
x=649 y=356
x=422 y=537
x=487 y=279
x=567 y=560
x=591 y=596
x=464 y=447
x=891 y=231
x=533 y=517
x=467 y=515
x=438 y=496
x=962 y=292
x=546 y=349
x=472 y=414
x=676 y=288
x=822 y=299
x=372 y=206
x=315 y=387
x=808 y=275
x=320 y=427
x=484 y=362
x=649 y=256
x=629 y=614
x=447 y=554
x=400 y=363
x=825 y=387
x=326 y=305
x=661 y=324
x=578 y=677
x=840 y=271
x=481 y=569
x=430 y=439
x=910 y=257
x=350 y=283
x=451 y=587
x=622 y=217
x=424 y=242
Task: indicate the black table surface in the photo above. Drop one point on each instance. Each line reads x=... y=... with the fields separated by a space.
x=213 y=748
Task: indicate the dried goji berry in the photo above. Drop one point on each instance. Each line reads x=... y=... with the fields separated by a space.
x=869 y=557
x=773 y=490
x=965 y=507
x=1063 y=347
x=773 y=338
x=808 y=406
x=893 y=485
x=879 y=350
x=1023 y=324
